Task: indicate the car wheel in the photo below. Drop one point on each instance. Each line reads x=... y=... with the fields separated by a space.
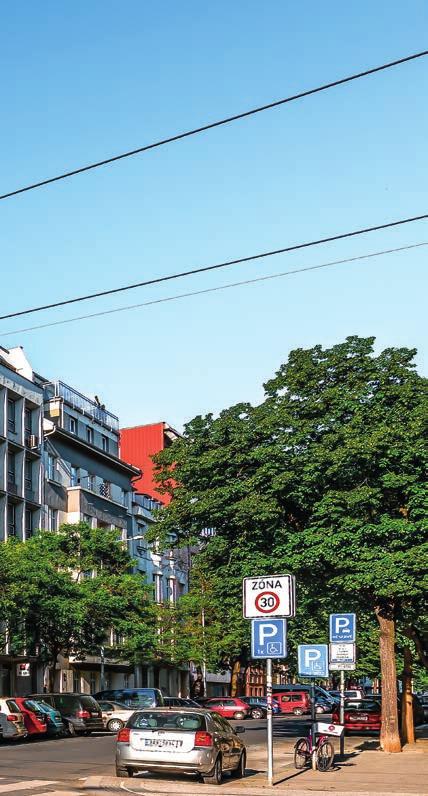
x=216 y=775
x=71 y=730
x=239 y=715
x=239 y=772
x=297 y=711
x=124 y=772
x=257 y=713
x=114 y=725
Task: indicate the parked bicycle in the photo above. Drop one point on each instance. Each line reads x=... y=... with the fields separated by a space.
x=317 y=753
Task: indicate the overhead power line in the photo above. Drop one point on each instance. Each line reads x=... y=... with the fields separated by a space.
x=214 y=289
x=210 y=126
x=216 y=266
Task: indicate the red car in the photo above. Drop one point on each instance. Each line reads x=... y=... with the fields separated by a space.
x=34 y=719
x=360 y=714
x=228 y=707
x=296 y=702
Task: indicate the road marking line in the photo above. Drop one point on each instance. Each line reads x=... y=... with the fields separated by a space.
x=60 y=793
x=11 y=787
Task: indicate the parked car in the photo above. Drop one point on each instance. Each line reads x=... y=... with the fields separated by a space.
x=80 y=712
x=423 y=699
x=258 y=706
x=179 y=702
x=352 y=693
x=291 y=687
x=323 y=705
x=12 y=725
x=114 y=715
x=228 y=707
x=55 y=724
x=35 y=719
x=133 y=697
x=184 y=740
x=363 y=715
x=297 y=702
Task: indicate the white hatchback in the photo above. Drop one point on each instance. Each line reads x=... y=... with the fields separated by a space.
x=12 y=725
x=115 y=715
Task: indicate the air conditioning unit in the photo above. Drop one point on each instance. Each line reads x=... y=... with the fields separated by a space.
x=33 y=441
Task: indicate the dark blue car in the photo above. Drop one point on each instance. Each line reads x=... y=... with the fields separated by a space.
x=258 y=706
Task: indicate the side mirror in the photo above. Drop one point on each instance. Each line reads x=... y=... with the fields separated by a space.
x=239 y=729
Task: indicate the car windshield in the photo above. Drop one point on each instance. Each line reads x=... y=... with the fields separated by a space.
x=172 y=720
x=360 y=704
x=12 y=706
x=30 y=705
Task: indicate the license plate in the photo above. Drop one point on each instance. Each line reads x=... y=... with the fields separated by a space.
x=164 y=743
x=95 y=715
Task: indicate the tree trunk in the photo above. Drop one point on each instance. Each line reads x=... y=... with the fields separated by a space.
x=389 y=734
x=234 y=683
x=407 y=726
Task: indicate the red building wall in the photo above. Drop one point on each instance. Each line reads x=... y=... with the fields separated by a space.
x=137 y=445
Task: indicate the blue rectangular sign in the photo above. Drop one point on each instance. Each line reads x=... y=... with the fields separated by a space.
x=313 y=660
x=343 y=627
x=268 y=638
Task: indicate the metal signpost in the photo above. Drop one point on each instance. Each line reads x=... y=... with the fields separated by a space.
x=267 y=601
x=342 y=656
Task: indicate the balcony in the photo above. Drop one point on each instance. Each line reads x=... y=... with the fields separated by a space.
x=12 y=487
x=82 y=404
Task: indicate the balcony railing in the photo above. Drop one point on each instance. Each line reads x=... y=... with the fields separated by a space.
x=79 y=402
x=12 y=487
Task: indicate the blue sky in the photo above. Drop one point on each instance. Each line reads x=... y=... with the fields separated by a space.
x=82 y=81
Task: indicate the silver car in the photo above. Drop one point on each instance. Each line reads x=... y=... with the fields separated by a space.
x=187 y=740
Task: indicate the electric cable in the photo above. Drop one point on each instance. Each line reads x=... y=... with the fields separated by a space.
x=212 y=125
x=216 y=266
x=214 y=289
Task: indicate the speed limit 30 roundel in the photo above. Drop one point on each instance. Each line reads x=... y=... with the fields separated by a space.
x=268 y=596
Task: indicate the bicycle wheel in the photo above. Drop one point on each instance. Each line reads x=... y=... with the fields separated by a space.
x=301 y=753
x=325 y=756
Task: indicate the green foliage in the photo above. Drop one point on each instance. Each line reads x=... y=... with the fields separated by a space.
x=325 y=479
x=46 y=600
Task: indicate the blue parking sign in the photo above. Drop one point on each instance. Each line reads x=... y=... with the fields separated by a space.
x=268 y=638
x=313 y=660
x=342 y=627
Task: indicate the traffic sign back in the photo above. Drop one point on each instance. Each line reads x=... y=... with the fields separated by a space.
x=269 y=596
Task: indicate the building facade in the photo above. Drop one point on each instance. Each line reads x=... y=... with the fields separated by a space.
x=138 y=444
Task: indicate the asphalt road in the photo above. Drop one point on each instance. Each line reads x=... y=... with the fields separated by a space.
x=69 y=759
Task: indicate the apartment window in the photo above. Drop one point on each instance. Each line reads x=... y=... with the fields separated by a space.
x=28 y=425
x=105 y=442
x=93 y=682
x=28 y=523
x=88 y=519
x=124 y=497
x=51 y=467
x=157 y=582
x=105 y=489
x=52 y=519
x=72 y=425
x=126 y=681
x=171 y=590
x=11 y=520
x=74 y=475
x=89 y=435
x=11 y=415
x=76 y=682
x=91 y=482
x=28 y=474
x=11 y=468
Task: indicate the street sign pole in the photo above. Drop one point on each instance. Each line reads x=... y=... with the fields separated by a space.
x=269 y=721
x=342 y=711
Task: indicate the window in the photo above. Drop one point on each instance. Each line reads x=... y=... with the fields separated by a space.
x=124 y=497
x=91 y=482
x=52 y=519
x=171 y=587
x=72 y=425
x=28 y=523
x=76 y=682
x=74 y=475
x=105 y=441
x=11 y=415
x=157 y=582
x=28 y=474
x=11 y=469
x=89 y=435
x=88 y=519
x=93 y=682
x=11 y=520
x=105 y=489
x=28 y=425
x=126 y=681
x=51 y=467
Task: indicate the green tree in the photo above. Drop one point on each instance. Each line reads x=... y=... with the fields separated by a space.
x=47 y=604
x=326 y=479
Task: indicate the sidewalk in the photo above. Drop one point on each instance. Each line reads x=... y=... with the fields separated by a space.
x=362 y=772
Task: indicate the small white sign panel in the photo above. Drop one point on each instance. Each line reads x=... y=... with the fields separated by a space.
x=322 y=728
x=269 y=596
x=342 y=652
x=341 y=667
